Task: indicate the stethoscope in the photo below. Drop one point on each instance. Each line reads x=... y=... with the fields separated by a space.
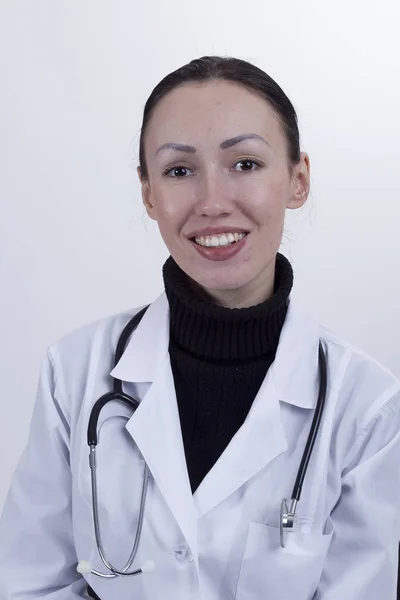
x=287 y=516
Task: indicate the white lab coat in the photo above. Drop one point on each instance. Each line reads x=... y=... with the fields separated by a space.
x=222 y=542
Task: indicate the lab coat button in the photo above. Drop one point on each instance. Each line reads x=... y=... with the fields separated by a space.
x=183 y=554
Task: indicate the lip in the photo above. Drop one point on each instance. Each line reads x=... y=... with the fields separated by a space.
x=214 y=230
x=220 y=253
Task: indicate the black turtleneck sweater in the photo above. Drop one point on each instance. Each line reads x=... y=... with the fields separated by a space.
x=219 y=358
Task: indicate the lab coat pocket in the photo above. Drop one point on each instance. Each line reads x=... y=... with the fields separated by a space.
x=268 y=570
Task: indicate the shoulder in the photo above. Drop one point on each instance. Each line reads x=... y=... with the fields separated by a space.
x=354 y=378
x=86 y=337
x=358 y=367
x=88 y=348
x=365 y=390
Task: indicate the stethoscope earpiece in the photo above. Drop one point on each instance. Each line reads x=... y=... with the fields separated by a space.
x=84 y=567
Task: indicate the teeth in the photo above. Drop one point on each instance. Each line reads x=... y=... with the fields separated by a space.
x=216 y=241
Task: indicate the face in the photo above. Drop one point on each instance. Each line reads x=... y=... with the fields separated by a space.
x=218 y=185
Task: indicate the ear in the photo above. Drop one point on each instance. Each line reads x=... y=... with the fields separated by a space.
x=300 y=182
x=147 y=196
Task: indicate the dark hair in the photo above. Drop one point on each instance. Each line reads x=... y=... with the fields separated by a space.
x=235 y=70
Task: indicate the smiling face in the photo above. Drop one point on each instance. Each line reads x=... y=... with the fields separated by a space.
x=217 y=162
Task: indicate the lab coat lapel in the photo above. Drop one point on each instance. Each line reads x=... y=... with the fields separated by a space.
x=292 y=379
x=260 y=439
x=155 y=426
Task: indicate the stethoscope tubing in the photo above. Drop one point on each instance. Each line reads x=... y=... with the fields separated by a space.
x=312 y=436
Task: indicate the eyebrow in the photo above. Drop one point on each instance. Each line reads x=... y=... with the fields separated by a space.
x=224 y=145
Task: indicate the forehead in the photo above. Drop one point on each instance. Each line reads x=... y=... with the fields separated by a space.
x=210 y=112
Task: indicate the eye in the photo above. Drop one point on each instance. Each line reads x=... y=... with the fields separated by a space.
x=178 y=171
x=246 y=164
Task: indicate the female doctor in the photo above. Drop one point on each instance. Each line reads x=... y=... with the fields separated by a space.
x=226 y=369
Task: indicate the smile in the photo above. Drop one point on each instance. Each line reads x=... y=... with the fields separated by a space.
x=216 y=241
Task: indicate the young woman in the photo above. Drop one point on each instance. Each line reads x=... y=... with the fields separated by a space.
x=230 y=376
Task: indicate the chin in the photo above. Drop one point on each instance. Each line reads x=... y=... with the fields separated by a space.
x=222 y=284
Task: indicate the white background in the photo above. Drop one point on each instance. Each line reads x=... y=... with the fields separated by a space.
x=74 y=242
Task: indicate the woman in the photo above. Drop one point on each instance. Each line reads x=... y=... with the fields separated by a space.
x=225 y=367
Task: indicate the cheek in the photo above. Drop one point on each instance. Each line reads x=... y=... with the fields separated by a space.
x=267 y=199
x=171 y=208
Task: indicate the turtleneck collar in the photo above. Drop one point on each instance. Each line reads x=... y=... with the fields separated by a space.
x=213 y=332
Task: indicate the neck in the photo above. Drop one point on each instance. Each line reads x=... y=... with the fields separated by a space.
x=207 y=330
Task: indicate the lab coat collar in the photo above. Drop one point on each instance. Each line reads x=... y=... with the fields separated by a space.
x=148 y=345
x=294 y=372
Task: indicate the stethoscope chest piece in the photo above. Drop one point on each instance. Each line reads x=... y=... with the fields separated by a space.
x=287 y=519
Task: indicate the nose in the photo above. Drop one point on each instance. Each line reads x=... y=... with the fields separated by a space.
x=215 y=196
